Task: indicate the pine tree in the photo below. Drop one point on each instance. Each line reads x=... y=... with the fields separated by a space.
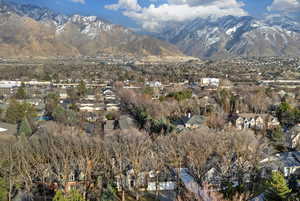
x=52 y=101
x=59 y=196
x=59 y=114
x=277 y=188
x=75 y=196
x=70 y=196
x=278 y=135
x=21 y=93
x=25 y=128
x=81 y=89
x=17 y=111
x=12 y=112
x=109 y=194
x=3 y=190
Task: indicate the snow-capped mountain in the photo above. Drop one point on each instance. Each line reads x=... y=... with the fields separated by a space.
x=30 y=30
x=236 y=36
x=284 y=22
x=27 y=30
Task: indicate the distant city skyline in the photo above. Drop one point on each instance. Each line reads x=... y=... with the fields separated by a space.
x=154 y=14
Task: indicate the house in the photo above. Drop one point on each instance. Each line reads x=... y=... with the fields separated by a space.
x=239 y=123
x=287 y=162
x=147 y=180
x=63 y=95
x=254 y=121
x=272 y=122
x=110 y=97
x=34 y=102
x=91 y=107
x=212 y=176
x=91 y=117
x=74 y=179
x=108 y=92
x=112 y=107
x=9 y=84
x=195 y=121
x=166 y=181
x=188 y=122
x=209 y=82
x=154 y=84
x=90 y=97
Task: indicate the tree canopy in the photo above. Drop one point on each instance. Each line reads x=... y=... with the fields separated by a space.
x=17 y=111
x=277 y=188
x=21 y=93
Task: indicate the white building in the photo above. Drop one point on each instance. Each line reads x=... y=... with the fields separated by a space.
x=9 y=84
x=213 y=82
x=154 y=84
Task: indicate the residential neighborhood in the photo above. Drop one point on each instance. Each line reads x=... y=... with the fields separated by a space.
x=148 y=136
x=148 y=100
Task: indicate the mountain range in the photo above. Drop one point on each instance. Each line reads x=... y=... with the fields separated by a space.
x=231 y=36
x=28 y=30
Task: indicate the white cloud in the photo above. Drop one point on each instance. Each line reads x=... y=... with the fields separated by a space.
x=125 y=5
x=154 y=17
x=285 y=6
x=79 y=1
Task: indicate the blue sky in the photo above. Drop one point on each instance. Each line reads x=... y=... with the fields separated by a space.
x=91 y=7
x=140 y=13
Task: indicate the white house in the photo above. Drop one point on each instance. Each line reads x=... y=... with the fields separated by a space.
x=255 y=121
x=9 y=84
x=90 y=107
x=146 y=181
x=213 y=82
x=154 y=84
x=63 y=95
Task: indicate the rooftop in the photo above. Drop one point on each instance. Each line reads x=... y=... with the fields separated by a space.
x=196 y=119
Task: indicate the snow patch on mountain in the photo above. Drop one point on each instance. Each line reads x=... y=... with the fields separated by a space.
x=237 y=36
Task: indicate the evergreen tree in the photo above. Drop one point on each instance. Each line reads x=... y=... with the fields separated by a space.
x=73 y=95
x=109 y=194
x=21 y=93
x=17 y=111
x=71 y=196
x=51 y=101
x=287 y=115
x=3 y=190
x=277 y=188
x=75 y=196
x=72 y=118
x=277 y=135
x=12 y=113
x=59 y=114
x=25 y=128
x=81 y=89
x=59 y=196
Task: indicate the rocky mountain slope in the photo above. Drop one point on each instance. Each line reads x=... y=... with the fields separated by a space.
x=236 y=36
x=27 y=30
